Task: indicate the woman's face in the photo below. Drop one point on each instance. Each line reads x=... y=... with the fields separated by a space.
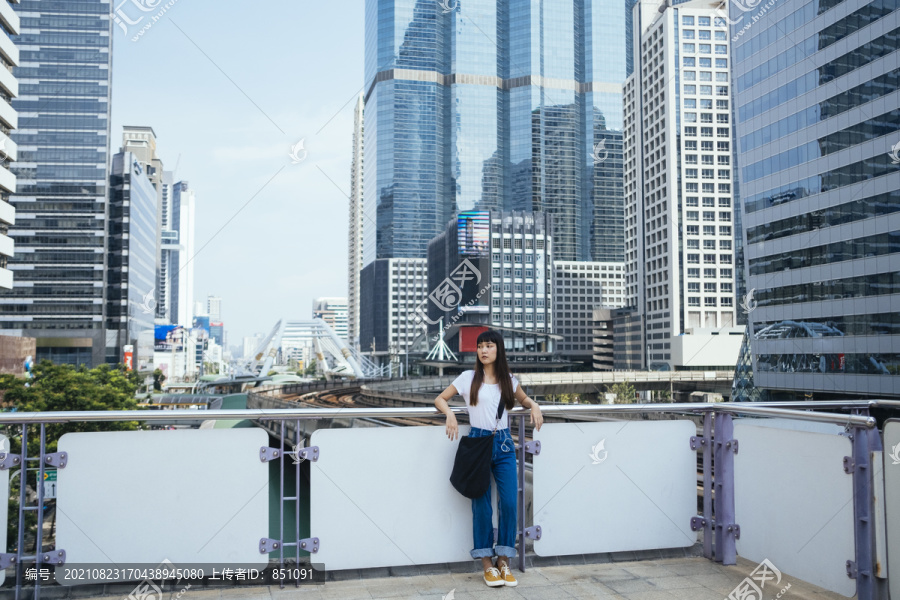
x=487 y=352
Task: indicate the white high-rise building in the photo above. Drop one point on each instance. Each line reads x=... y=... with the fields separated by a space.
x=355 y=239
x=214 y=308
x=334 y=312
x=679 y=213
x=178 y=242
x=10 y=120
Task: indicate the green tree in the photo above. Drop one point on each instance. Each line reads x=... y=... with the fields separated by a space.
x=61 y=388
x=158 y=379
x=311 y=369
x=624 y=392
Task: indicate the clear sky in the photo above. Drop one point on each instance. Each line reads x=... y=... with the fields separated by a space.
x=230 y=87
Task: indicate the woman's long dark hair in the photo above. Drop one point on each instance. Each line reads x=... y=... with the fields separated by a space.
x=501 y=370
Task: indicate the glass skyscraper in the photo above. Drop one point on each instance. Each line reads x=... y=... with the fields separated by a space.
x=62 y=169
x=494 y=105
x=817 y=110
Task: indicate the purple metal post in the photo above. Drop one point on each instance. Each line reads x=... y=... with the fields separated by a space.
x=725 y=551
x=707 y=485
x=280 y=536
x=297 y=503
x=39 y=543
x=22 y=475
x=521 y=501
x=868 y=587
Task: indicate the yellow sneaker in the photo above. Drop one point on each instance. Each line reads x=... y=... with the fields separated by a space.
x=507 y=576
x=492 y=577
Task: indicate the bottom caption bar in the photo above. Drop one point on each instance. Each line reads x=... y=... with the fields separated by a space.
x=78 y=574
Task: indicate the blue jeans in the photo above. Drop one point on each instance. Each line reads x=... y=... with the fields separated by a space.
x=503 y=466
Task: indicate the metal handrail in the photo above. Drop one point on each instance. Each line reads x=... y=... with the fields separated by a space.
x=330 y=413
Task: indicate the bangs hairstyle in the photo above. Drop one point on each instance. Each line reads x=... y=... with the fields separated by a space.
x=501 y=370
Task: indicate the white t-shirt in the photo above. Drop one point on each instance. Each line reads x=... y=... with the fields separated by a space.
x=484 y=414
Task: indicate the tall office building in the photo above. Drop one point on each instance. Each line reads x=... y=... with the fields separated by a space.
x=818 y=113
x=494 y=269
x=176 y=272
x=131 y=263
x=678 y=175
x=141 y=141
x=214 y=308
x=355 y=238
x=580 y=289
x=168 y=250
x=390 y=291
x=9 y=120
x=494 y=106
x=59 y=296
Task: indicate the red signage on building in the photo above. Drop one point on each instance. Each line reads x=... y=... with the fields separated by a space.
x=468 y=338
x=129 y=357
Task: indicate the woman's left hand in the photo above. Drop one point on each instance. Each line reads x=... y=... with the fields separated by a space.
x=536 y=418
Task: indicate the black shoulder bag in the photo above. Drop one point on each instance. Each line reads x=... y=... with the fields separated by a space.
x=471 y=474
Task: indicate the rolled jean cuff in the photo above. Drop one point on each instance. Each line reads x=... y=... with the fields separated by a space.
x=504 y=551
x=481 y=552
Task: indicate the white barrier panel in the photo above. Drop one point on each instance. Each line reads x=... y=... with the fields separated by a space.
x=793 y=500
x=190 y=496
x=382 y=497
x=609 y=487
x=892 y=502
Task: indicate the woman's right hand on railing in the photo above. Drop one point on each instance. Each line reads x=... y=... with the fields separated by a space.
x=452 y=427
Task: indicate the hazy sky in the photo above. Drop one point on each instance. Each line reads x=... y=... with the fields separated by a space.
x=230 y=87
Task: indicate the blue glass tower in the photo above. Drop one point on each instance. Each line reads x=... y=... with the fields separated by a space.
x=494 y=105
x=62 y=170
x=818 y=124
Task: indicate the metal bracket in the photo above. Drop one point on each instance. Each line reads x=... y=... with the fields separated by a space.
x=267 y=545
x=54 y=557
x=8 y=461
x=730 y=445
x=57 y=459
x=311 y=545
x=267 y=454
x=735 y=529
x=533 y=447
x=851 y=569
x=310 y=453
x=849 y=466
x=697 y=523
x=697 y=442
x=533 y=533
x=7 y=560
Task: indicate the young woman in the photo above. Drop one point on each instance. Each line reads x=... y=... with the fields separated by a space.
x=482 y=389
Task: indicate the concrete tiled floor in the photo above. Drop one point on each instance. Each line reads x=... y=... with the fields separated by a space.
x=663 y=579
